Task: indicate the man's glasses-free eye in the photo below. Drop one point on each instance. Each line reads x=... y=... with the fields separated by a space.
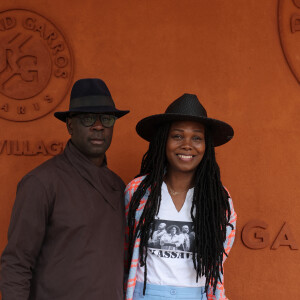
x=88 y=120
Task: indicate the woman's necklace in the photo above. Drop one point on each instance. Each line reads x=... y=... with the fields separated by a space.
x=174 y=193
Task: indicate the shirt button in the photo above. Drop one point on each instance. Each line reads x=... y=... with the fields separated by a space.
x=173 y=292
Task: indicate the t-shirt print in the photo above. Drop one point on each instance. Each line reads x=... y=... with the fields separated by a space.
x=170 y=246
x=172 y=239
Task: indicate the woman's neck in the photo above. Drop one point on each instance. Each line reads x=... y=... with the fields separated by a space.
x=179 y=181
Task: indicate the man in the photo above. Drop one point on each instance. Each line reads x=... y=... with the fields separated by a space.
x=185 y=238
x=157 y=234
x=66 y=235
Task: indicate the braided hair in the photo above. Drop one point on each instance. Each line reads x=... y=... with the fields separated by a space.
x=210 y=211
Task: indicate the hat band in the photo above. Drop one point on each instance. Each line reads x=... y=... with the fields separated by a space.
x=91 y=101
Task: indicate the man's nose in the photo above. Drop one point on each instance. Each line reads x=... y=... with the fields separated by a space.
x=97 y=125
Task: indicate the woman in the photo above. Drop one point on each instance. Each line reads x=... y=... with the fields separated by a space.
x=179 y=183
x=171 y=240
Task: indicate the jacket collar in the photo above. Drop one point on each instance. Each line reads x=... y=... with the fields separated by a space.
x=101 y=178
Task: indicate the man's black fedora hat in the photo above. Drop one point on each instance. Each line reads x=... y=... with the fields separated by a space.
x=90 y=95
x=185 y=108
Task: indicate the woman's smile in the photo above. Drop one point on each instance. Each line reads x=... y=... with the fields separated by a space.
x=185 y=157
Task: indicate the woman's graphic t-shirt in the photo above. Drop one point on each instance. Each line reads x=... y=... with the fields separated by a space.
x=169 y=260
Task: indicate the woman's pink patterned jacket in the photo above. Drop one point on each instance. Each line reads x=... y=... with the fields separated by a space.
x=131 y=277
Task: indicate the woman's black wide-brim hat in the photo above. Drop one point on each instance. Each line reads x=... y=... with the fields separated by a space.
x=186 y=108
x=90 y=95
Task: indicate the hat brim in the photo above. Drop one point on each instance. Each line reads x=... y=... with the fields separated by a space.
x=221 y=131
x=62 y=115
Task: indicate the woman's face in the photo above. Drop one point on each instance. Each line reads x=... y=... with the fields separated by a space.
x=185 y=146
x=173 y=231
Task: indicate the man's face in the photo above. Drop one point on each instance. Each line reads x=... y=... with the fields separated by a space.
x=92 y=141
x=161 y=226
x=185 y=229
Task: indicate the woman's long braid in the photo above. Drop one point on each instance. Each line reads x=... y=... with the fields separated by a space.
x=212 y=214
x=210 y=207
x=153 y=165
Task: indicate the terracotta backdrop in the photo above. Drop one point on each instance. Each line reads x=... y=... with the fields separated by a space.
x=229 y=54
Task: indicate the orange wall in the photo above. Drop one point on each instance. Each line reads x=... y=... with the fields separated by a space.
x=229 y=54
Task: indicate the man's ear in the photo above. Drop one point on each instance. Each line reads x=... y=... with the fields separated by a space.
x=69 y=125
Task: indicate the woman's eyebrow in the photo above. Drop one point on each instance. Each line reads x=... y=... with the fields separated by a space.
x=177 y=129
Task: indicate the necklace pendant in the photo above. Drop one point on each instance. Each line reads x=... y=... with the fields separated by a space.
x=173 y=193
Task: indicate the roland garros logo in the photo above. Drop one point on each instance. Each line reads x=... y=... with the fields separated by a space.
x=35 y=65
x=289 y=32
